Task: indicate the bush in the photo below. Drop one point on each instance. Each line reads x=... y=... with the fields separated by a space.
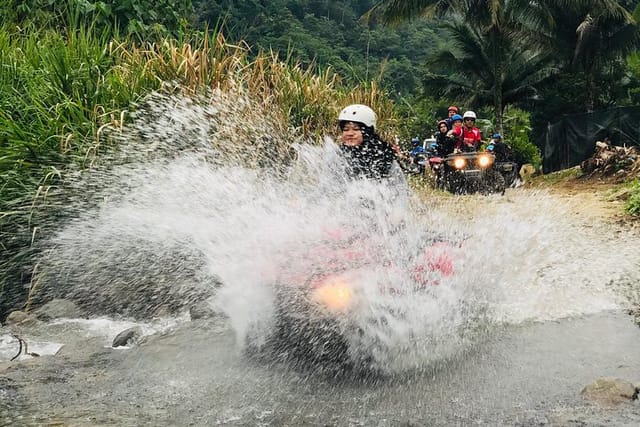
x=147 y=19
x=633 y=204
x=517 y=131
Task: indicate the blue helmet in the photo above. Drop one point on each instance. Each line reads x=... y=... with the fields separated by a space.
x=415 y=141
x=456 y=117
x=496 y=136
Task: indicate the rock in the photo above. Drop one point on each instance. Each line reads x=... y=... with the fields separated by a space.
x=19 y=317
x=58 y=308
x=609 y=391
x=127 y=336
x=527 y=170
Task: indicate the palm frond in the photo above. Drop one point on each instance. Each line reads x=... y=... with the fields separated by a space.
x=393 y=12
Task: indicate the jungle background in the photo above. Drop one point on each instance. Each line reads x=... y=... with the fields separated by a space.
x=72 y=69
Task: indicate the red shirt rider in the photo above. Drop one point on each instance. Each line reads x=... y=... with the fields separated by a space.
x=468 y=137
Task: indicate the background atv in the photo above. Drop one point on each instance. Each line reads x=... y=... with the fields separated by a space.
x=471 y=172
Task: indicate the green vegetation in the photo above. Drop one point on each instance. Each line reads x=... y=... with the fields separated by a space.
x=632 y=206
x=143 y=19
x=546 y=57
x=328 y=34
x=73 y=68
x=560 y=176
x=517 y=126
x=64 y=88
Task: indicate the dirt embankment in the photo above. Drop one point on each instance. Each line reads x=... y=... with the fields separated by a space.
x=598 y=202
x=595 y=198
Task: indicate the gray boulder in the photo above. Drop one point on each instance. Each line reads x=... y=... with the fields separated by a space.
x=127 y=336
x=56 y=309
x=19 y=318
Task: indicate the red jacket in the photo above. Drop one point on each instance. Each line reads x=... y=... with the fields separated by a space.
x=467 y=139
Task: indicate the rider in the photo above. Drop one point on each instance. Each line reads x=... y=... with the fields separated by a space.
x=416 y=147
x=455 y=132
x=367 y=154
x=444 y=142
x=468 y=136
x=417 y=153
x=451 y=111
x=499 y=148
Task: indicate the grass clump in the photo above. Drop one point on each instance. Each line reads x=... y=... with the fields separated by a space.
x=632 y=206
x=559 y=176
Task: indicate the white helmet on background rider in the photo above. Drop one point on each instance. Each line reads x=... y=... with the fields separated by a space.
x=358 y=113
x=469 y=115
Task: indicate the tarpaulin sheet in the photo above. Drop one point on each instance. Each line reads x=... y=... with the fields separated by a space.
x=572 y=139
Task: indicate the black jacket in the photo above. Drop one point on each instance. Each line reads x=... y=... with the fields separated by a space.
x=371 y=159
x=501 y=151
x=445 y=143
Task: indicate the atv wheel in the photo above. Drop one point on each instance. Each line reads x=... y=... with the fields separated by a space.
x=493 y=182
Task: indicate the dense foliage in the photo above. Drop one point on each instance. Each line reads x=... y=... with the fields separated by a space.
x=58 y=94
x=328 y=33
x=70 y=68
x=62 y=89
x=143 y=18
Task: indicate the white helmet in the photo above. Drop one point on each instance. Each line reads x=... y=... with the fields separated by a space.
x=469 y=114
x=360 y=114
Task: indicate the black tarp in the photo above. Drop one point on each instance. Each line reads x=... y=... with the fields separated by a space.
x=572 y=139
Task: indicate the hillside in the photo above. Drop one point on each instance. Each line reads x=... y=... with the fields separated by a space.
x=328 y=33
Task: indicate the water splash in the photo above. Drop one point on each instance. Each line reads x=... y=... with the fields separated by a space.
x=209 y=199
x=547 y=264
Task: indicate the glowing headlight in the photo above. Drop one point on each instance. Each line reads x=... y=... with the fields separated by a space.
x=459 y=162
x=484 y=161
x=334 y=294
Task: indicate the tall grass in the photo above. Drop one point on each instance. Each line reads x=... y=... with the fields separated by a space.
x=58 y=91
x=632 y=206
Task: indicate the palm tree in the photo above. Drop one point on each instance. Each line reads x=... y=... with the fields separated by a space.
x=495 y=41
x=486 y=61
x=491 y=68
x=594 y=40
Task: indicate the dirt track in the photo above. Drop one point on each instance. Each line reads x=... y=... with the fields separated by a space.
x=593 y=199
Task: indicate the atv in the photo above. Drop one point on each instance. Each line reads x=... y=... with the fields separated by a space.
x=331 y=306
x=471 y=172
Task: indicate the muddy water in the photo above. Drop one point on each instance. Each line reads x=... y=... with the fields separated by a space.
x=530 y=374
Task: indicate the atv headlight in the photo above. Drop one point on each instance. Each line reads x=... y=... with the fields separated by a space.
x=459 y=162
x=484 y=161
x=334 y=294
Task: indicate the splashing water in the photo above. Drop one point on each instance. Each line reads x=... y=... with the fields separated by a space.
x=204 y=202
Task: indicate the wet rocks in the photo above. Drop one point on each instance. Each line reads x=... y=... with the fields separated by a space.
x=58 y=308
x=609 y=391
x=19 y=318
x=127 y=336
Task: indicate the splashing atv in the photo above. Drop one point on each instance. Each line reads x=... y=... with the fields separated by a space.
x=471 y=172
x=336 y=301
